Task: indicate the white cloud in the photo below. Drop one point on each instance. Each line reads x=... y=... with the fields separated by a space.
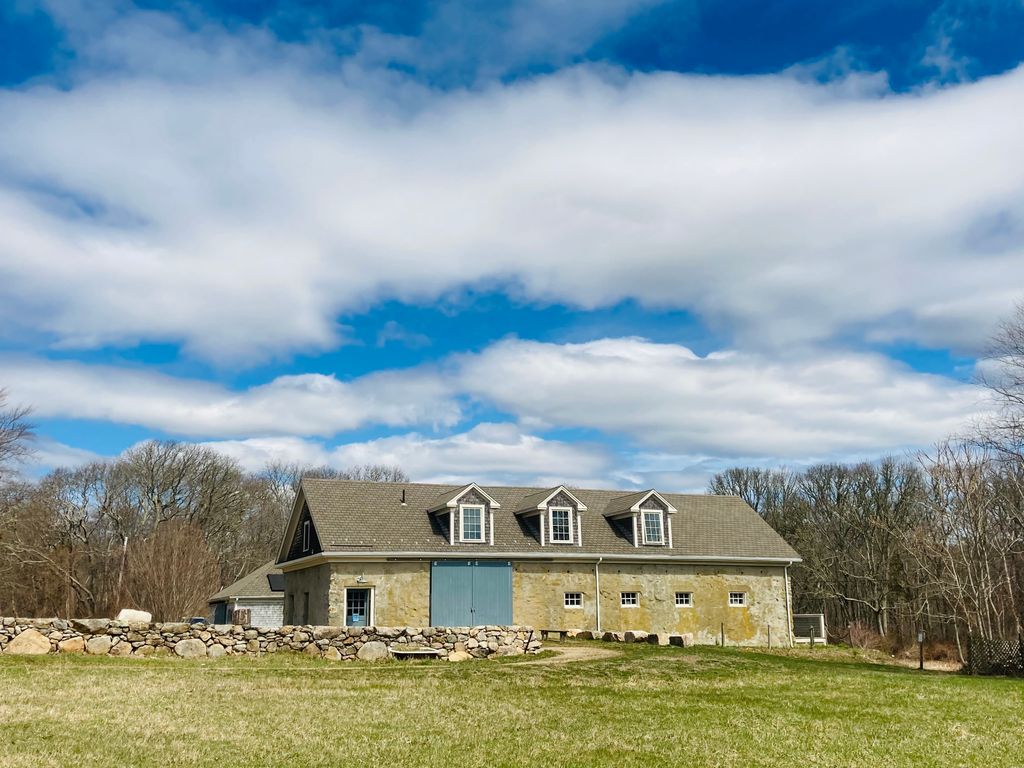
x=727 y=404
x=494 y=453
x=639 y=394
x=48 y=454
x=306 y=404
x=234 y=194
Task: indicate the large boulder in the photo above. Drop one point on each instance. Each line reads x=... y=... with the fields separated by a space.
x=459 y=656
x=122 y=648
x=327 y=633
x=90 y=626
x=131 y=614
x=98 y=645
x=372 y=651
x=192 y=648
x=72 y=645
x=31 y=642
x=216 y=651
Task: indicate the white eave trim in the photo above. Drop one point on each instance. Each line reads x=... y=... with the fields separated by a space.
x=662 y=499
x=542 y=505
x=548 y=554
x=453 y=502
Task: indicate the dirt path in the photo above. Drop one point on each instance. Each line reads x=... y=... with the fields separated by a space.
x=570 y=655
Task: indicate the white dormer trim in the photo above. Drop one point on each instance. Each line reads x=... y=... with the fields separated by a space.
x=542 y=505
x=453 y=502
x=636 y=507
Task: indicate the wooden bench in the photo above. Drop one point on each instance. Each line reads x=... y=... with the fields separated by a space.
x=405 y=653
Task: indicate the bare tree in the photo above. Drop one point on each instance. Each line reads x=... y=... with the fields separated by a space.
x=172 y=571
x=15 y=434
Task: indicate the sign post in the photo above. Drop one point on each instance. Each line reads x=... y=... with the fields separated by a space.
x=920 y=649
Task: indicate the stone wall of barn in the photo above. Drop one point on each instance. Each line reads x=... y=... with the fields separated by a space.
x=400 y=591
x=103 y=637
x=538 y=590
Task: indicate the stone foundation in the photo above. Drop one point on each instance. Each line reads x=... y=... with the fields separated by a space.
x=104 y=637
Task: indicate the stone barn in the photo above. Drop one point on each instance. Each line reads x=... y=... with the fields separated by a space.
x=360 y=553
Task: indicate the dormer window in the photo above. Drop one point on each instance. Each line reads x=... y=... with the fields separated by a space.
x=556 y=516
x=472 y=523
x=653 y=528
x=560 y=519
x=644 y=517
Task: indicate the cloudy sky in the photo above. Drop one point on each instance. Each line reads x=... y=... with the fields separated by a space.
x=621 y=243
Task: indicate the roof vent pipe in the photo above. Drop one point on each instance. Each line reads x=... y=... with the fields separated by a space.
x=403 y=497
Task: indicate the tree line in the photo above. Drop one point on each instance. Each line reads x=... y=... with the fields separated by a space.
x=162 y=527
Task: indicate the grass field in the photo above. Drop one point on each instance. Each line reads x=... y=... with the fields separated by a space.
x=649 y=706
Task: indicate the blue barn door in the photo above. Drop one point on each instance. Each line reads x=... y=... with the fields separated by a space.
x=465 y=593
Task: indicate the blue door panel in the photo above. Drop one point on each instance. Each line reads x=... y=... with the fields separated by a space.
x=451 y=593
x=492 y=593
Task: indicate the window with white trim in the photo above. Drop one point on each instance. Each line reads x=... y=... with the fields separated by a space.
x=737 y=599
x=573 y=599
x=561 y=525
x=684 y=599
x=654 y=530
x=629 y=599
x=305 y=535
x=472 y=523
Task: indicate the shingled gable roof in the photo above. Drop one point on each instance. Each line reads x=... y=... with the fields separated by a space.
x=449 y=499
x=535 y=501
x=355 y=516
x=631 y=502
x=255 y=584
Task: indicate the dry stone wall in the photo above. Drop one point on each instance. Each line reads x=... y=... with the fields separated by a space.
x=104 y=637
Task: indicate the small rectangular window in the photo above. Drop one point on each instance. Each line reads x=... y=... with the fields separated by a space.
x=573 y=599
x=305 y=536
x=630 y=599
x=561 y=525
x=472 y=524
x=653 y=533
x=684 y=599
x=737 y=598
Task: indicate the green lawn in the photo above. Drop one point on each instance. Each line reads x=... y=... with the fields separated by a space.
x=649 y=706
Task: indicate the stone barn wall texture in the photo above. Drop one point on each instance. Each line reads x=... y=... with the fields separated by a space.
x=103 y=637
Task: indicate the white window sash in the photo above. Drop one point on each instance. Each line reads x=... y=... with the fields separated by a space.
x=462 y=523
x=551 y=524
x=661 y=525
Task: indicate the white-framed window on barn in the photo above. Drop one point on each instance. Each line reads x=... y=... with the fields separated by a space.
x=629 y=599
x=560 y=519
x=737 y=599
x=305 y=535
x=471 y=522
x=573 y=600
x=653 y=526
x=684 y=599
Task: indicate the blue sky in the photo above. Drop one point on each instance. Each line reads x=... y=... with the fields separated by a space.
x=520 y=242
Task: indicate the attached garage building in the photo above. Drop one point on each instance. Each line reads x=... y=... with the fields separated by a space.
x=362 y=553
x=258 y=595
